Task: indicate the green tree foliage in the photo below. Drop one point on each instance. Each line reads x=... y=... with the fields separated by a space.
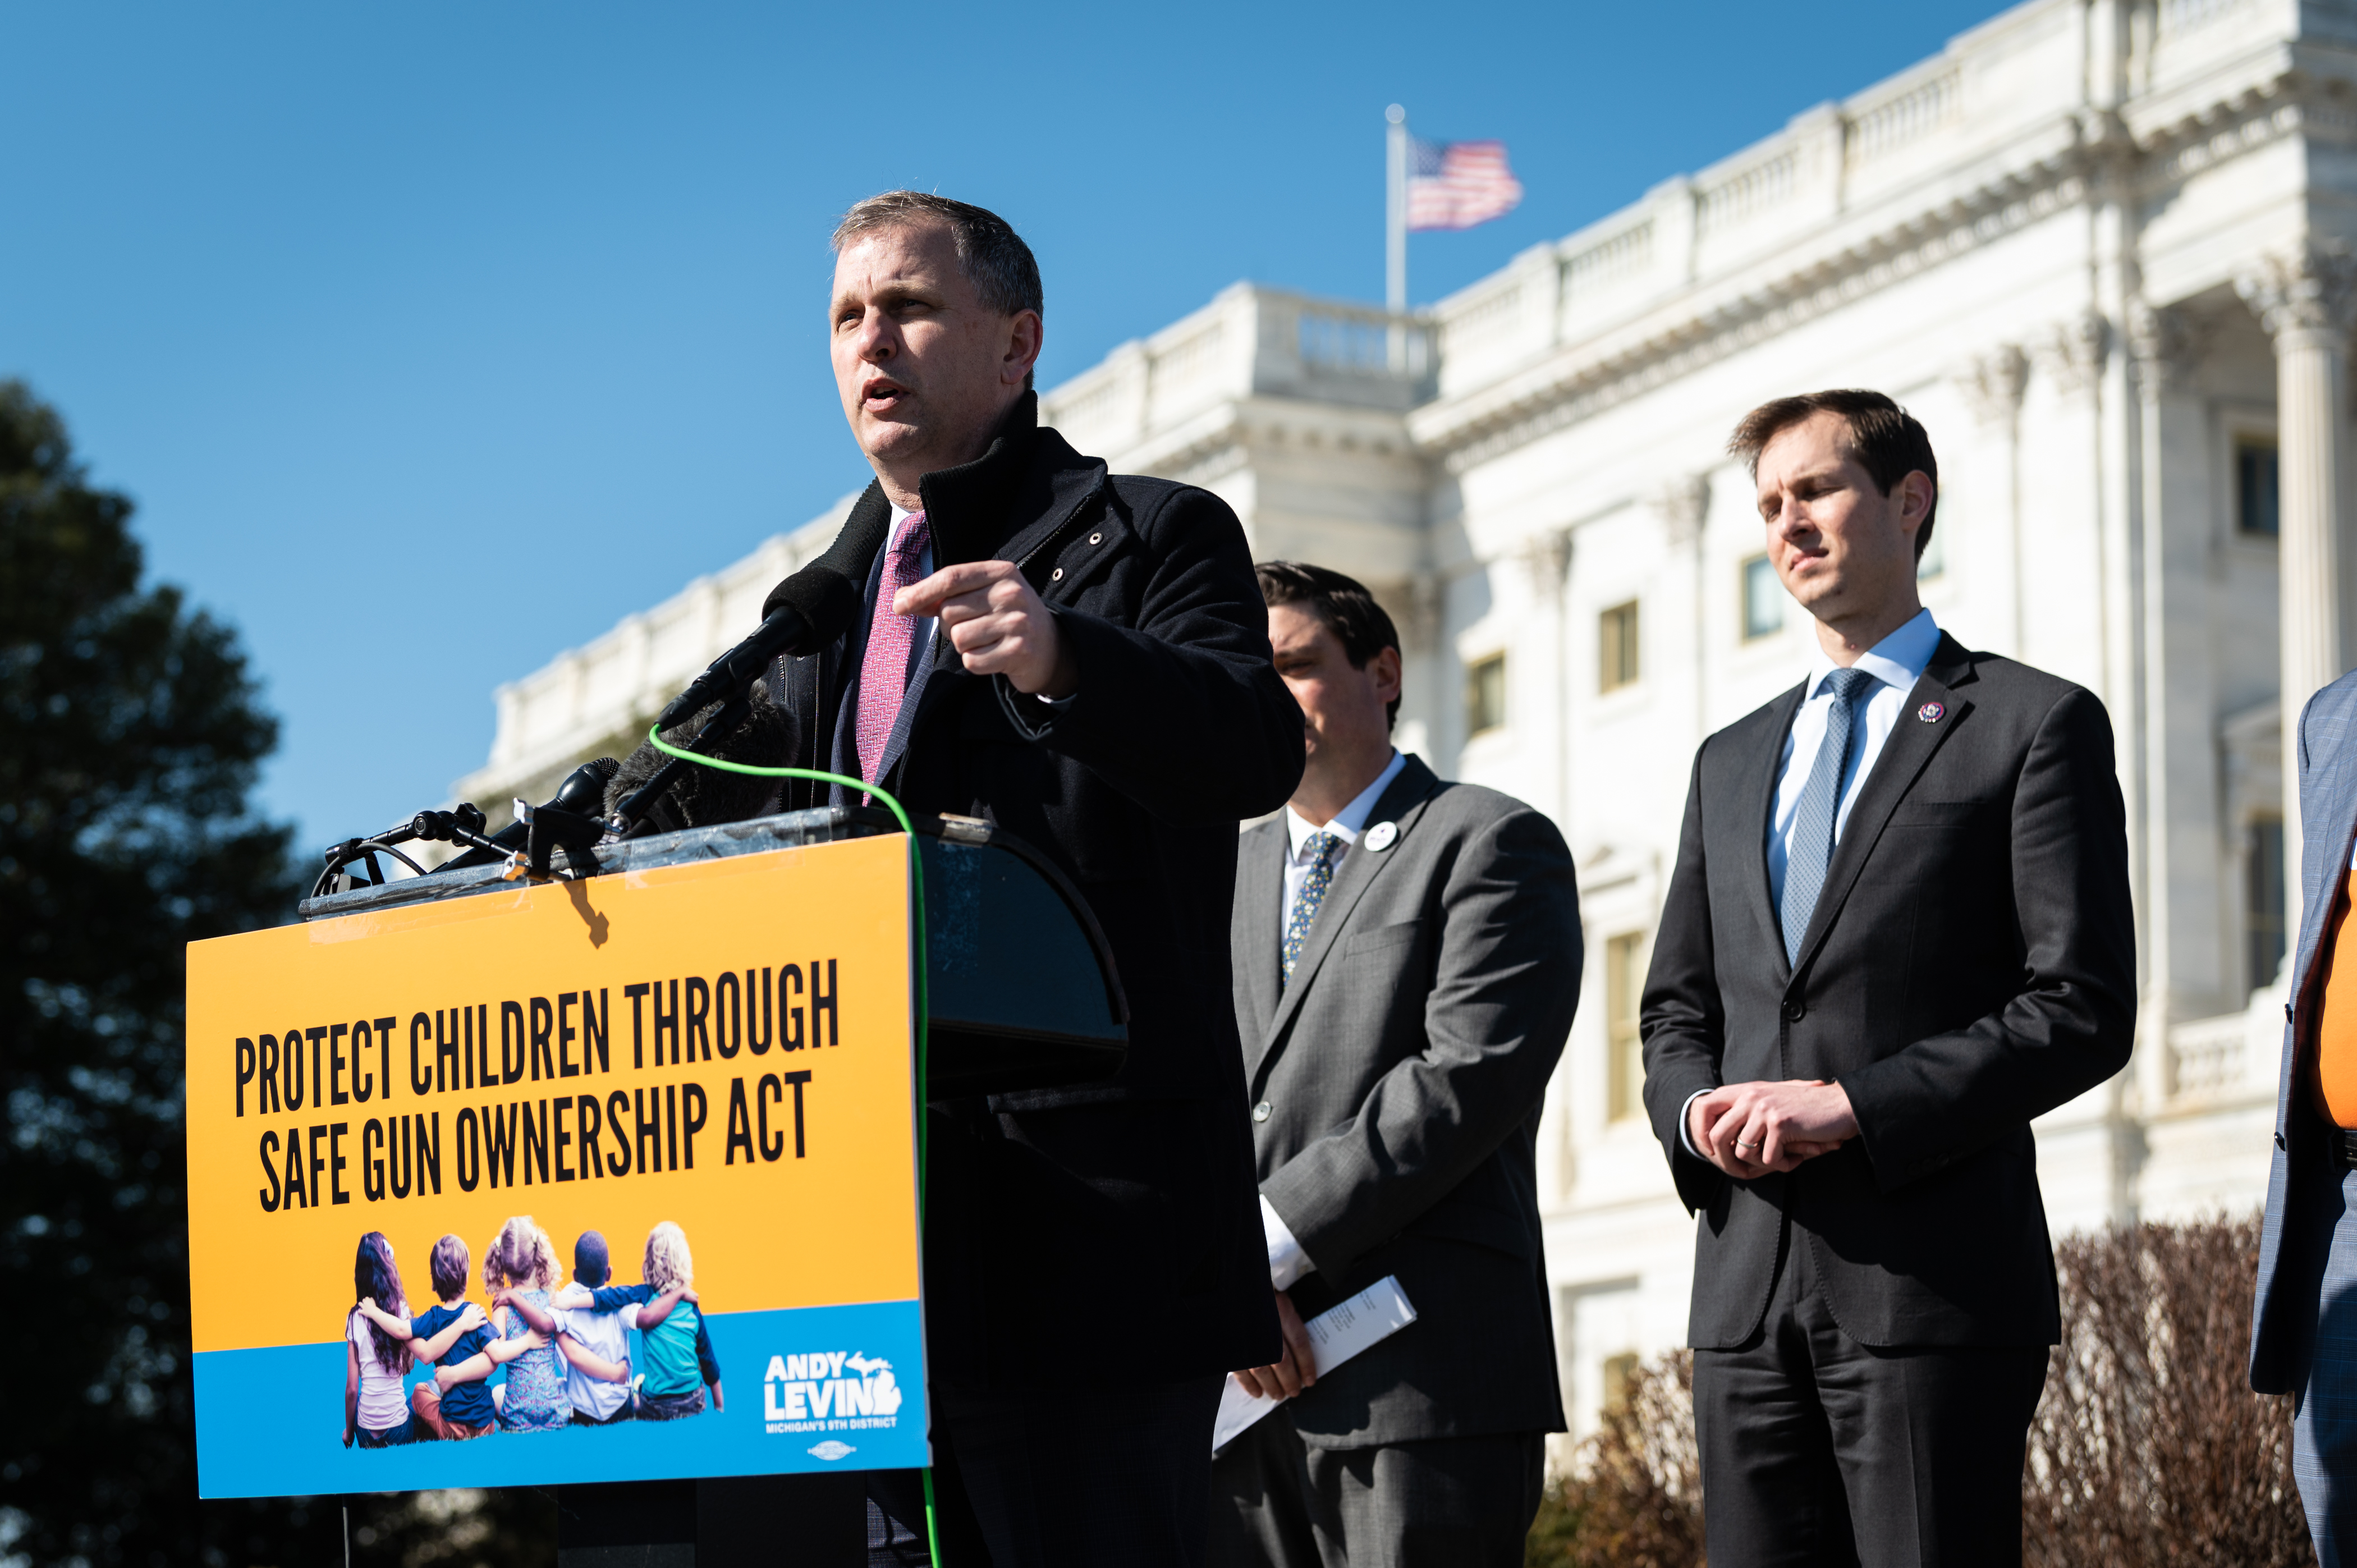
x=130 y=733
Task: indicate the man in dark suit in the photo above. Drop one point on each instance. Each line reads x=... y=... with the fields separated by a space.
x=1407 y=965
x=1898 y=930
x=1081 y=658
x=2304 y=1326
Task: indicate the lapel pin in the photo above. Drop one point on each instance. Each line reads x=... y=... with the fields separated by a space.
x=1381 y=836
x=1931 y=712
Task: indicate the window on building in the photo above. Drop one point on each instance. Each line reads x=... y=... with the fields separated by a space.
x=1617 y=658
x=1763 y=599
x=2263 y=915
x=1624 y=987
x=1617 y=1370
x=1485 y=695
x=2258 y=501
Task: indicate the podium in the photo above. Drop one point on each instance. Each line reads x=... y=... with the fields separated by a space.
x=1020 y=993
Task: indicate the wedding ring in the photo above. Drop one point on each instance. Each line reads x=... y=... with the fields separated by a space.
x=1741 y=1144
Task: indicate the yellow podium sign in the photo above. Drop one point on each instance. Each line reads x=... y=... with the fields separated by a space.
x=702 y=1072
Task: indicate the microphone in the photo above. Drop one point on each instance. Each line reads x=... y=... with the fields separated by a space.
x=695 y=797
x=582 y=792
x=806 y=612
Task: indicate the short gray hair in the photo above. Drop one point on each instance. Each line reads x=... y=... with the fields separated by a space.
x=991 y=253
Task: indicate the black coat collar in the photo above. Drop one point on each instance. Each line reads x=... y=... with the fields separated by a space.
x=968 y=507
x=999 y=507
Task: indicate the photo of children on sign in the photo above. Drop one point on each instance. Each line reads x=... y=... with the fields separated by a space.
x=544 y=1179
x=547 y=1353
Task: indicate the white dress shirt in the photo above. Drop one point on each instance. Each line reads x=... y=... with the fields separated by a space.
x=1897 y=662
x=1287 y=1262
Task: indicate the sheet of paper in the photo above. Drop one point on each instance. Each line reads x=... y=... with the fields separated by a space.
x=1336 y=1334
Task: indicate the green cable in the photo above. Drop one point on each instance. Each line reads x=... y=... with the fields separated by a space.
x=917 y=884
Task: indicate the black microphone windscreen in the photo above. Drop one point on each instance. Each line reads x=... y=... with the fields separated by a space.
x=702 y=796
x=584 y=789
x=825 y=598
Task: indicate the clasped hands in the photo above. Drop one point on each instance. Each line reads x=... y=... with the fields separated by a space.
x=1750 y=1129
x=998 y=624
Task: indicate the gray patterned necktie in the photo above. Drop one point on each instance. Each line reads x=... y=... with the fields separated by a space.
x=1812 y=821
x=1321 y=847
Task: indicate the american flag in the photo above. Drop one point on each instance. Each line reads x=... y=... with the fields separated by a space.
x=1454 y=185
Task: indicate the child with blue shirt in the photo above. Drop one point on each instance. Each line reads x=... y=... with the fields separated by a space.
x=456 y=1330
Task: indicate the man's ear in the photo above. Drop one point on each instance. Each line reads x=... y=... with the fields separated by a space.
x=1385 y=668
x=1916 y=492
x=1026 y=334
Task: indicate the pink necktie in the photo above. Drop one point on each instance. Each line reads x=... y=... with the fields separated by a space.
x=884 y=668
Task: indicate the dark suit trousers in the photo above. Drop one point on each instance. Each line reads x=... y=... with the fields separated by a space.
x=1446 y=1502
x=1817 y=1450
x=1048 y=1476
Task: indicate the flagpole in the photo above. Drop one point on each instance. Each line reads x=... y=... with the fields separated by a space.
x=1396 y=214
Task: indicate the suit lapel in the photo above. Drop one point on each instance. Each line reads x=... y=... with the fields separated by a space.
x=1402 y=804
x=1765 y=768
x=1260 y=888
x=1911 y=747
x=927 y=674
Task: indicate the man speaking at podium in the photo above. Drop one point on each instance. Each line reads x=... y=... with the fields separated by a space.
x=1082 y=659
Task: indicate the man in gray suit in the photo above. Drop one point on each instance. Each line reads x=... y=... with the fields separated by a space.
x=1407 y=965
x=2304 y=1326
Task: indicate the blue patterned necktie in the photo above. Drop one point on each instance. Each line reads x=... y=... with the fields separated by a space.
x=1812 y=821
x=1303 y=914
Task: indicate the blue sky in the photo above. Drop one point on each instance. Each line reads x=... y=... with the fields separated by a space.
x=378 y=311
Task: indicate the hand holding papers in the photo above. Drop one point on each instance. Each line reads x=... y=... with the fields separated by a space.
x=1336 y=1334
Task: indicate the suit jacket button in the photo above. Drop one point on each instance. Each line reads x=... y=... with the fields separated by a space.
x=1793 y=1011
x=1260 y=1112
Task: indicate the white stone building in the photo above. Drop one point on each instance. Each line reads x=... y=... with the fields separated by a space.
x=2101 y=248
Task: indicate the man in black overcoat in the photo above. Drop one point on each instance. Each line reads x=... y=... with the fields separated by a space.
x=1082 y=659
x=1898 y=931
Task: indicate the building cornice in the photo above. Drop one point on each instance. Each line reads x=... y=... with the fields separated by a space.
x=1710 y=322
x=1216 y=440
x=2072 y=159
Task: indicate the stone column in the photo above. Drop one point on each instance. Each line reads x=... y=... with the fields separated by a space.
x=1993 y=383
x=1415 y=605
x=2173 y=735
x=2305 y=298
x=1546 y=559
x=1683 y=505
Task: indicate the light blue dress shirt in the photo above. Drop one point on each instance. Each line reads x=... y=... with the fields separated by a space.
x=1897 y=662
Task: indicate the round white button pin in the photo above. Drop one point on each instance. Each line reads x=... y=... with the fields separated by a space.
x=1381 y=836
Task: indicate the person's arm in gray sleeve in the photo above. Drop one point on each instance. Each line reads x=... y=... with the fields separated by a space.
x=1499 y=1009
